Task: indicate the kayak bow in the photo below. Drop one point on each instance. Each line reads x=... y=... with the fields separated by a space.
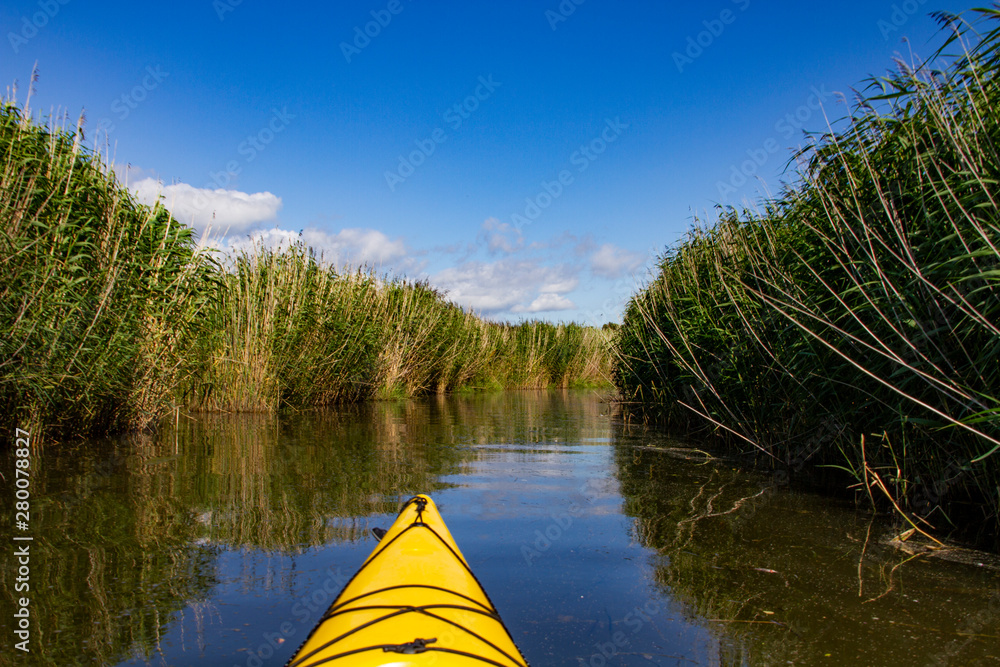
x=415 y=601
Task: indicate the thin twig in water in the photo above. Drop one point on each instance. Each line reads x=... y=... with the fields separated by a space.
x=861 y=560
x=735 y=507
x=891 y=573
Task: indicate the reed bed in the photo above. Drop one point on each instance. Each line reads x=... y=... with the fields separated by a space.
x=285 y=331
x=853 y=321
x=113 y=315
x=99 y=296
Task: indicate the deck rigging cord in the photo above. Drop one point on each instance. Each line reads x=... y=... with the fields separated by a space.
x=386 y=612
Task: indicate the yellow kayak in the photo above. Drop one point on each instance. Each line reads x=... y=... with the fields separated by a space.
x=413 y=602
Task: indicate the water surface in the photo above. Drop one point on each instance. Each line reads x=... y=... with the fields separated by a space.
x=221 y=540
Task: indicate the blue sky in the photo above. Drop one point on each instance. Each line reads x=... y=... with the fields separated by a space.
x=528 y=158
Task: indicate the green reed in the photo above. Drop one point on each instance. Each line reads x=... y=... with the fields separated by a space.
x=287 y=331
x=99 y=296
x=855 y=320
x=112 y=314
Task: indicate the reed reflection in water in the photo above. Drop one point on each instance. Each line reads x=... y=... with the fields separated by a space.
x=787 y=576
x=221 y=539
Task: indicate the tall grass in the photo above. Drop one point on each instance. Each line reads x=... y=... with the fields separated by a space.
x=855 y=320
x=286 y=331
x=112 y=315
x=99 y=296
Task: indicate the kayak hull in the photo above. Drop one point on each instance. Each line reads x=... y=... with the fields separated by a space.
x=415 y=601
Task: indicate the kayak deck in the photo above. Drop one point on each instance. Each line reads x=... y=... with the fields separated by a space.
x=415 y=601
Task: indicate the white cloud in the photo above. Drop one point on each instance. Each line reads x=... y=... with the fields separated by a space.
x=353 y=247
x=546 y=302
x=275 y=239
x=369 y=246
x=507 y=285
x=223 y=210
x=501 y=236
x=560 y=284
x=611 y=261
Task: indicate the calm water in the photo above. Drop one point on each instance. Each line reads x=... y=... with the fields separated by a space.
x=217 y=542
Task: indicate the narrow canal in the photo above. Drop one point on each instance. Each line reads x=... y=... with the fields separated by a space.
x=221 y=540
